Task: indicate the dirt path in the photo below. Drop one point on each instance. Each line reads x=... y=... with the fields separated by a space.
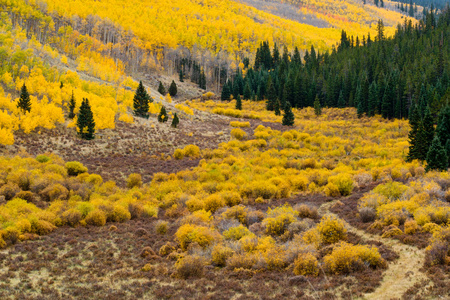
x=401 y=274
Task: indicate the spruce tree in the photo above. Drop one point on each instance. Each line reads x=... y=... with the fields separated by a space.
x=173 y=89
x=373 y=99
x=226 y=93
x=288 y=117
x=341 y=101
x=271 y=94
x=277 y=107
x=428 y=132
x=72 y=105
x=181 y=75
x=238 y=102
x=24 y=103
x=175 y=121
x=317 y=107
x=85 y=121
x=414 y=122
x=437 y=158
x=141 y=102
x=161 y=89
x=443 y=125
x=247 y=91
x=202 y=80
x=162 y=117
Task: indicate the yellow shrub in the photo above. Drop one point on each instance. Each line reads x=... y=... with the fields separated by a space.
x=236 y=233
x=299 y=182
x=191 y=151
x=239 y=124
x=220 y=254
x=74 y=168
x=278 y=225
x=161 y=227
x=431 y=227
x=231 y=198
x=238 y=212
x=241 y=261
x=178 y=154
x=94 y=179
x=194 y=204
x=306 y=264
x=72 y=217
x=120 y=214
x=201 y=235
x=134 y=180
x=331 y=190
x=213 y=202
x=331 y=230
x=346 y=258
x=392 y=190
x=411 y=227
x=344 y=182
x=238 y=134
x=190 y=266
x=96 y=218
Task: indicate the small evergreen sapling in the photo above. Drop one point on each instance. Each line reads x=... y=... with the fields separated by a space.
x=437 y=158
x=162 y=117
x=85 y=121
x=141 y=102
x=161 y=89
x=24 y=103
x=72 y=105
x=288 y=117
x=175 y=121
x=317 y=107
x=173 y=89
x=238 y=102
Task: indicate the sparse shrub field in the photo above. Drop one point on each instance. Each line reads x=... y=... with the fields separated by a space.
x=324 y=207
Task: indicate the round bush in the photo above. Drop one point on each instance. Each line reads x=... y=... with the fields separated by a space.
x=306 y=264
x=134 y=180
x=72 y=217
x=96 y=218
x=331 y=230
x=74 y=168
x=238 y=133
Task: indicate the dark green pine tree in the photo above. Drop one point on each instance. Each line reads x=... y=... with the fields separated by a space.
x=373 y=99
x=161 y=89
x=238 y=102
x=271 y=95
x=277 y=108
x=428 y=132
x=415 y=123
x=24 y=103
x=72 y=105
x=181 y=75
x=317 y=107
x=175 y=121
x=437 y=158
x=173 y=89
x=202 y=83
x=443 y=125
x=247 y=91
x=162 y=117
x=85 y=121
x=341 y=101
x=288 y=117
x=226 y=93
x=447 y=150
x=141 y=101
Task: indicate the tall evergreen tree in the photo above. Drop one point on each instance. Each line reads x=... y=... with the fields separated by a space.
x=288 y=117
x=238 y=102
x=181 y=75
x=443 y=126
x=414 y=122
x=24 y=103
x=247 y=91
x=271 y=94
x=175 y=121
x=277 y=107
x=317 y=107
x=437 y=158
x=341 y=101
x=85 y=121
x=428 y=132
x=161 y=89
x=202 y=80
x=373 y=99
x=141 y=102
x=162 y=117
x=226 y=93
x=72 y=105
x=173 y=89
